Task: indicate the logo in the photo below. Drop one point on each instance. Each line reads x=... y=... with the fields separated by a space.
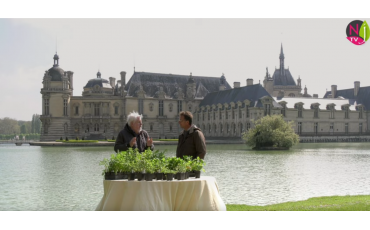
x=358 y=32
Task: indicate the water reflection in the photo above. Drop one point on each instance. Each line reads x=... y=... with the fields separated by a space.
x=48 y=178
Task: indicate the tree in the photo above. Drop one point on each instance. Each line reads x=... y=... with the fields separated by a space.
x=23 y=129
x=271 y=131
x=9 y=126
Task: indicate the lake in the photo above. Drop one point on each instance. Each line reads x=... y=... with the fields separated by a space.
x=69 y=178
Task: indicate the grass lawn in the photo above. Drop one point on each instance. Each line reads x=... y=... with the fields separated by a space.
x=328 y=203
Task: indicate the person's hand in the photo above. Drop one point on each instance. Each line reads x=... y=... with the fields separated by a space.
x=132 y=142
x=149 y=142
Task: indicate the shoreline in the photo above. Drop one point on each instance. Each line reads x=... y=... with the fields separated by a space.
x=105 y=143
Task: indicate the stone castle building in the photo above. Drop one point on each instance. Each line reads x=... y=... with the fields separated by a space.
x=219 y=110
x=102 y=109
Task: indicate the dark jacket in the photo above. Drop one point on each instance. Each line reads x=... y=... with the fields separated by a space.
x=125 y=136
x=191 y=143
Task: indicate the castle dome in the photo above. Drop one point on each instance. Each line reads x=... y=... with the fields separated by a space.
x=56 y=72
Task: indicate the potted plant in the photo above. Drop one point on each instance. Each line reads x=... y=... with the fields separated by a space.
x=139 y=167
x=181 y=169
x=169 y=174
x=188 y=160
x=149 y=170
x=197 y=166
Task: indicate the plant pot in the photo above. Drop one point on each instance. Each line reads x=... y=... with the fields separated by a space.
x=140 y=176
x=120 y=175
x=186 y=175
x=131 y=176
x=109 y=176
x=169 y=176
x=177 y=176
x=149 y=176
x=197 y=174
x=159 y=176
x=182 y=176
x=192 y=174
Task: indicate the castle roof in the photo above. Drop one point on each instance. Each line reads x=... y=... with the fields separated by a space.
x=253 y=93
x=283 y=79
x=363 y=96
x=171 y=83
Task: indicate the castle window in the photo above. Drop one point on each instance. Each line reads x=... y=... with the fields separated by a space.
x=209 y=128
x=170 y=107
x=232 y=114
x=291 y=95
x=360 y=128
x=65 y=103
x=247 y=110
x=76 y=110
x=240 y=113
x=151 y=107
x=221 y=129
x=203 y=116
x=241 y=128
x=141 y=106
x=248 y=126
x=209 y=116
x=299 y=127
x=96 y=110
x=46 y=106
x=360 y=113
x=115 y=110
x=214 y=115
x=267 y=109
x=198 y=116
x=179 y=107
x=227 y=129
x=346 y=112
x=316 y=112
x=299 y=107
x=219 y=114
x=283 y=110
x=226 y=114
x=96 y=127
x=315 y=128
x=331 y=112
x=151 y=128
x=160 y=112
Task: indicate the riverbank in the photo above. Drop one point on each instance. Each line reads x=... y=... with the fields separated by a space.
x=106 y=143
x=328 y=203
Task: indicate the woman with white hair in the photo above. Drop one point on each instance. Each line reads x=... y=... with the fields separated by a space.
x=133 y=136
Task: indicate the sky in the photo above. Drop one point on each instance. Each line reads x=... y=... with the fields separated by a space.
x=316 y=50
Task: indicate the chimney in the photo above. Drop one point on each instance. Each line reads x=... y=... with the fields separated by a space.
x=249 y=81
x=333 y=91
x=112 y=81
x=281 y=94
x=357 y=88
x=236 y=84
x=315 y=96
x=123 y=78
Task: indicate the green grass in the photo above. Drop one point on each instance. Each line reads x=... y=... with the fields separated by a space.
x=109 y=140
x=328 y=203
x=78 y=141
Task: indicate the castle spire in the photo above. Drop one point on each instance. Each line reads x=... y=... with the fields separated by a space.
x=281 y=57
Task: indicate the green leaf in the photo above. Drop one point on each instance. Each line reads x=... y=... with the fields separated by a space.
x=365 y=31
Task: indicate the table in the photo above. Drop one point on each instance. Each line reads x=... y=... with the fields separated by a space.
x=185 y=195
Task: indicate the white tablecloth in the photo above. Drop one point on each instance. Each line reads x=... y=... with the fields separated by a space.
x=186 y=195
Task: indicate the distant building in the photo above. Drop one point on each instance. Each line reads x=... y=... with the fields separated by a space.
x=102 y=109
x=219 y=110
